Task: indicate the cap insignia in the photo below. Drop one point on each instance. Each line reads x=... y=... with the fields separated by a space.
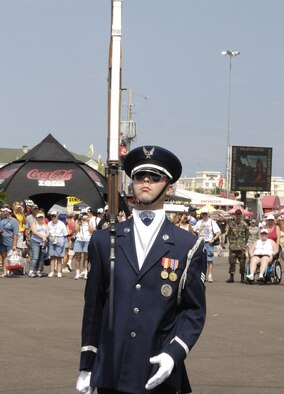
x=148 y=153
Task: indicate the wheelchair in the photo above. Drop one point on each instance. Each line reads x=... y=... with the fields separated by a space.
x=273 y=272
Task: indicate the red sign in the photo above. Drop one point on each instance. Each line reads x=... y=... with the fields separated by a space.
x=122 y=150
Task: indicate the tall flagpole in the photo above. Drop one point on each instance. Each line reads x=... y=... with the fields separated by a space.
x=114 y=109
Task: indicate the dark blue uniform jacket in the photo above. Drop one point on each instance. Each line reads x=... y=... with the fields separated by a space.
x=145 y=321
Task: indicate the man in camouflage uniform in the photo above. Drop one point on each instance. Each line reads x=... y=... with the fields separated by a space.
x=238 y=233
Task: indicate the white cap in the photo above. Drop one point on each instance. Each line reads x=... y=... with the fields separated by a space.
x=106 y=208
x=100 y=210
x=40 y=215
x=5 y=209
x=270 y=217
x=263 y=230
x=54 y=213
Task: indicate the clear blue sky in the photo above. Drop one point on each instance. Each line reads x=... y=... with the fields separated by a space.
x=53 y=75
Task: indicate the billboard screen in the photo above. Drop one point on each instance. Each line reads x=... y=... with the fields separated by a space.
x=251 y=168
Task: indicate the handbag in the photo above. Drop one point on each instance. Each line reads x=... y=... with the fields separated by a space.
x=216 y=241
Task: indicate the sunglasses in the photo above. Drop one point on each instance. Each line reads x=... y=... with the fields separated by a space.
x=153 y=177
x=53 y=216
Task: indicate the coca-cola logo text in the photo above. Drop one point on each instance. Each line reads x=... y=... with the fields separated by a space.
x=57 y=175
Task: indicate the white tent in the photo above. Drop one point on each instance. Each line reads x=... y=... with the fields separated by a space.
x=176 y=208
x=203 y=199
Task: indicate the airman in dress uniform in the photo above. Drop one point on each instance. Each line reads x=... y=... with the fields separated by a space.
x=159 y=292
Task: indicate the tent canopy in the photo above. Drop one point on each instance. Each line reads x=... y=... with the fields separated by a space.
x=245 y=212
x=206 y=207
x=270 y=203
x=204 y=199
x=176 y=208
x=48 y=173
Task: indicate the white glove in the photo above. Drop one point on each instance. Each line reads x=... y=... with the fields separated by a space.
x=166 y=366
x=83 y=383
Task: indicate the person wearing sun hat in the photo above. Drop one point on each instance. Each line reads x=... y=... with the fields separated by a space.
x=273 y=229
x=159 y=294
x=262 y=253
x=208 y=229
x=56 y=244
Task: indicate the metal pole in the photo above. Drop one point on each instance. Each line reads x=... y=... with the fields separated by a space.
x=228 y=163
x=229 y=150
x=129 y=105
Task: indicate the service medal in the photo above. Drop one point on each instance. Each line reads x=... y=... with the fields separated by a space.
x=165 y=264
x=173 y=276
x=164 y=274
x=166 y=290
x=174 y=265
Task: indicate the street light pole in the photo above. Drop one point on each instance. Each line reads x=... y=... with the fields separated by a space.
x=229 y=154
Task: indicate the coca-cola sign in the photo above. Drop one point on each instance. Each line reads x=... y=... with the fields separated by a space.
x=50 y=178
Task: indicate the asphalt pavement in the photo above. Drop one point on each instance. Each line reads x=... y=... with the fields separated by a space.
x=241 y=350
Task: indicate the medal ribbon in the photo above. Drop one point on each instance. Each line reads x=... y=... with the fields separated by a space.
x=166 y=262
x=174 y=264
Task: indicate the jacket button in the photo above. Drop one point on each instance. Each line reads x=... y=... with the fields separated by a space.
x=138 y=286
x=136 y=310
x=133 y=334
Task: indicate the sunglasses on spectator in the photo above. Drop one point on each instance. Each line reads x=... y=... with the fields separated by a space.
x=153 y=177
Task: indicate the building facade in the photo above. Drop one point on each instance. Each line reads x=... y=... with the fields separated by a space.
x=208 y=181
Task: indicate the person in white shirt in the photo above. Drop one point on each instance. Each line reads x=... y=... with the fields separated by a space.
x=81 y=244
x=209 y=230
x=57 y=244
x=262 y=253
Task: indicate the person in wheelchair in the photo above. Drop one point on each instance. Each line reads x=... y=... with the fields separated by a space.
x=262 y=252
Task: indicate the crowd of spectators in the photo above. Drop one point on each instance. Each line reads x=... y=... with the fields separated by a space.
x=55 y=244
x=243 y=237
x=52 y=242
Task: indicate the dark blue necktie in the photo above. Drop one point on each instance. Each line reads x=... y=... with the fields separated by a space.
x=147 y=217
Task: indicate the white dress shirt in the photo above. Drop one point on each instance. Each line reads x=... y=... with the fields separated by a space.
x=146 y=235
